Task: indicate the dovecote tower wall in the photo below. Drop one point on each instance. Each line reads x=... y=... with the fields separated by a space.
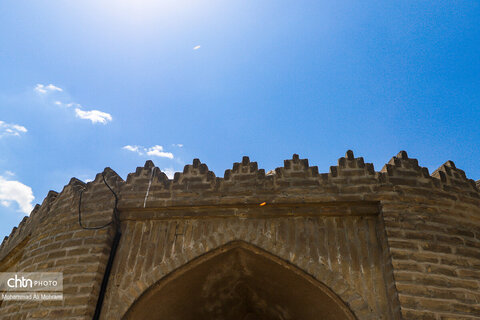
x=399 y=243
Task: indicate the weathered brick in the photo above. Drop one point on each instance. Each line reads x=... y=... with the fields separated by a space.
x=419 y=257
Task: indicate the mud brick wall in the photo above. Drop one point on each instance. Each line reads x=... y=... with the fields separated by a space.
x=51 y=240
x=392 y=244
x=434 y=239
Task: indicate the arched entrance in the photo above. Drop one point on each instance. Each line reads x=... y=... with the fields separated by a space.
x=238 y=282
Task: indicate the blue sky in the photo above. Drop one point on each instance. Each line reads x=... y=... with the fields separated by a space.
x=90 y=84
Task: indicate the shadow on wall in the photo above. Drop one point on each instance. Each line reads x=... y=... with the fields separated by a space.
x=239 y=282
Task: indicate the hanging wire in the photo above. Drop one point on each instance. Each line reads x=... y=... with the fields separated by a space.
x=115 y=210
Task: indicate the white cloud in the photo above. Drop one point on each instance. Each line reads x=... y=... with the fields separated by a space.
x=170 y=172
x=93 y=115
x=68 y=105
x=196 y=47
x=15 y=191
x=179 y=145
x=43 y=89
x=40 y=88
x=156 y=151
x=10 y=129
x=53 y=88
x=132 y=148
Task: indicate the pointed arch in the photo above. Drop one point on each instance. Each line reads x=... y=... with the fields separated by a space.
x=238 y=281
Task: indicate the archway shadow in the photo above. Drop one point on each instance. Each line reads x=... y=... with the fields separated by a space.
x=238 y=281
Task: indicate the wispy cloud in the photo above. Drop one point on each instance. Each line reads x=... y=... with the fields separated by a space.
x=156 y=151
x=196 y=47
x=178 y=145
x=93 y=115
x=43 y=89
x=15 y=191
x=68 y=105
x=133 y=149
x=10 y=129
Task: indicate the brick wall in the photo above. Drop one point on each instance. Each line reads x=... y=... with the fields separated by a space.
x=52 y=241
x=434 y=237
x=399 y=243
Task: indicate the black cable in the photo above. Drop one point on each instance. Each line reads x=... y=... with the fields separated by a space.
x=113 y=250
x=106 y=275
x=115 y=211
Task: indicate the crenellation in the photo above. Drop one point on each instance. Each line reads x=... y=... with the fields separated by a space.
x=333 y=173
x=349 y=161
x=17 y=232
x=452 y=177
x=25 y=227
x=12 y=233
x=73 y=187
x=76 y=183
x=195 y=177
x=295 y=169
x=49 y=199
x=22 y=223
x=244 y=171
x=296 y=164
x=350 y=175
x=112 y=178
x=36 y=208
x=376 y=239
x=4 y=241
x=404 y=171
x=148 y=172
x=351 y=178
x=405 y=167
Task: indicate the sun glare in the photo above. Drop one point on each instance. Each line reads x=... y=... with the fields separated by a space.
x=148 y=11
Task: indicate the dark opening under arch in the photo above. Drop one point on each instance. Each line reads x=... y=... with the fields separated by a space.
x=238 y=282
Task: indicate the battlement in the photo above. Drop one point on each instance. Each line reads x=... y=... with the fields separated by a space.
x=148 y=186
x=392 y=244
